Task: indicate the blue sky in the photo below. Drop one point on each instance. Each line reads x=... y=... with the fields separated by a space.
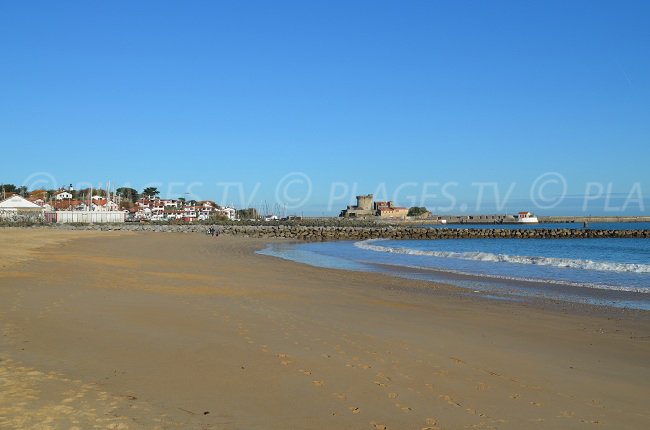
x=505 y=105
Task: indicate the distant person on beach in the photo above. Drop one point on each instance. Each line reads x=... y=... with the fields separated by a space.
x=585 y=225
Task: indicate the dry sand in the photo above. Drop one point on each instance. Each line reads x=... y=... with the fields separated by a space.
x=154 y=330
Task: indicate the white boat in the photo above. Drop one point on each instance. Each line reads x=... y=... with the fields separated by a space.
x=526 y=218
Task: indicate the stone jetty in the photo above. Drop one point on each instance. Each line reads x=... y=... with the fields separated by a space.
x=327 y=233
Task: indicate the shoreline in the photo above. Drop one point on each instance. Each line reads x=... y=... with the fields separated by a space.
x=477 y=283
x=142 y=330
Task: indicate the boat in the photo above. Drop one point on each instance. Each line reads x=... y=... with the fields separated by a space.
x=526 y=218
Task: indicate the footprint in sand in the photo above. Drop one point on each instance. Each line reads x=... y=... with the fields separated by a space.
x=393 y=395
x=403 y=408
x=317 y=383
x=354 y=409
x=514 y=396
x=305 y=372
x=340 y=396
x=537 y=405
x=378 y=426
x=449 y=400
x=474 y=412
x=384 y=377
x=431 y=424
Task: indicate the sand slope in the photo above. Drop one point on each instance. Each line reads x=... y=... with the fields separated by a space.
x=187 y=331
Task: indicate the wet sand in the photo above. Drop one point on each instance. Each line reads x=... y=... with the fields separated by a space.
x=152 y=330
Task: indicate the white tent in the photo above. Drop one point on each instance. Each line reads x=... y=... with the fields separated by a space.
x=17 y=202
x=16 y=206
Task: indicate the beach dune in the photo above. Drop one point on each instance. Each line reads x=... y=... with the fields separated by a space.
x=150 y=330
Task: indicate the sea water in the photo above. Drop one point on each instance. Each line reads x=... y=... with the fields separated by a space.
x=604 y=271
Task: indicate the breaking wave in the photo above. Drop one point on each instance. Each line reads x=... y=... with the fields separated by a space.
x=371 y=245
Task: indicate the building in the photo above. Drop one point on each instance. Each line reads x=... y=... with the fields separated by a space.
x=229 y=212
x=63 y=195
x=95 y=217
x=157 y=209
x=17 y=208
x=363 y=208
x=388 y=210
x=366 y=208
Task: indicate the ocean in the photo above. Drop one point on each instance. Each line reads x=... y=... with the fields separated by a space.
x=608 y=272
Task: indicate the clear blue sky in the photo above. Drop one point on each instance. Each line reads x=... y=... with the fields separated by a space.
x=190 y=95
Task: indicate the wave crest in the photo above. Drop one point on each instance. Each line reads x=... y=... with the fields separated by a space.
x=370 y=245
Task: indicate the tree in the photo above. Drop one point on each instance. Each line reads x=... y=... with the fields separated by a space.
x=89 y=192
x=8 y=188
x=250 y=213
x=150 y=192
x=417 y=211
x=127 y=194
x=39 y=194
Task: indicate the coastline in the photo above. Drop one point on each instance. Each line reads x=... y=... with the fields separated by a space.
x=522 y=280
x=168 y=327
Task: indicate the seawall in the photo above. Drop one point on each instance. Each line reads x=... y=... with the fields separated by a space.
x=315 y=233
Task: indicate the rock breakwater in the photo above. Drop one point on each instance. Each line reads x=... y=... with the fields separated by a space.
x=326 y=233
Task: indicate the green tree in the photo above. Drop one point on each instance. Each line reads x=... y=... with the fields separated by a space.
x=128 y=194
x=150 y=192
x=417 y=211
x=8 y=188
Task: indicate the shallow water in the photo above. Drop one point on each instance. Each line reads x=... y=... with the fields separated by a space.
x=612 y=272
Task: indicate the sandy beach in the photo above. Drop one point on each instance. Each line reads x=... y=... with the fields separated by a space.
x=117 y=330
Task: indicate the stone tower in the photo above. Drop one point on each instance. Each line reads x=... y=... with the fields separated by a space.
x=364 y=202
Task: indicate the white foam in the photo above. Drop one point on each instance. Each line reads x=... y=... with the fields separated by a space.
x=517 y=259
x=535 y=280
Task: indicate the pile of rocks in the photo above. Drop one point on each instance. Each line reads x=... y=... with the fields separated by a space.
x=323 y=233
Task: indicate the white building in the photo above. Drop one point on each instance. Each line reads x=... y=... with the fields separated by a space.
x=231 y=213
x=16 y=208
x=64 y=195
x=97 y=217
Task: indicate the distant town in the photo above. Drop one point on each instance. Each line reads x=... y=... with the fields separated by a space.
x=123 y=204
x=69 y=205
x=94 y=205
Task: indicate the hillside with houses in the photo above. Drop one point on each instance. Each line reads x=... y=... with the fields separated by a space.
x=129 y=205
